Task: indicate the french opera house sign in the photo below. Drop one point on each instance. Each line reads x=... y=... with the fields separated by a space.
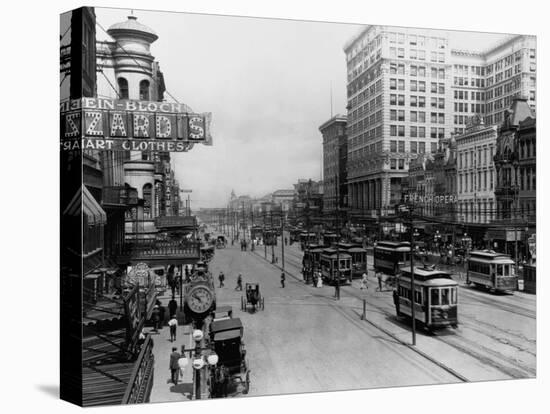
x=129 y=125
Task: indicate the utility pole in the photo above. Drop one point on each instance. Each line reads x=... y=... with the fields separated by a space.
x=413 y=326
x=264 y=239
x=244 y=223
x=283 y=239
x=274 y=239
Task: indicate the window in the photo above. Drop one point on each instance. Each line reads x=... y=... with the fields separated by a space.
x=422 y=55
x=433 y=132
x=441 y=118
x=422 y=86
x=441 y=103
x=401 y=115
x=393 y=164
x=400 y=52
x=393 y=115
x=434 y=296
x=433 y=57
x=422 y=117
x=123 y=88
x=422 y=71
x=144 y=90
x=414 y=145
x=401 y=130
x=401 y=69
x=434 y=72
x=414 y=100
x=441 y=133
x=401 y=100
x=393 y=131
x=401 y=164
x=414 y=133
x=421 y=132
x=413 y=54
x=433 y=118
x=441 y=73
x=393 y=83
x=414 y=86
x=433 y=147
x=421 y=101
x=433 y=88
x=421 y=147
x=393 y=52
x=393 y=99
x=401 y=84
x=441 y=88
x=441 y=57
x=433 y=102
x=414 y=70
x=414 y=116
x=401 y=146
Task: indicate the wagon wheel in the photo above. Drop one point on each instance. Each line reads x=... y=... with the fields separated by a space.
x=247 y=383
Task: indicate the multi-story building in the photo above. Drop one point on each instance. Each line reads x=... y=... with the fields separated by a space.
x=408 y=88
x=475 y=172
x=485 y=83
x=335 y=153
x=527 y=169
x=283 y=198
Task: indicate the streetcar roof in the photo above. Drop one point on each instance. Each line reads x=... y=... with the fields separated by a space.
x=490 y=255
x=356 y=250
x=333 y=254
x=392 y=244
x=226 y=325
x=425 y=273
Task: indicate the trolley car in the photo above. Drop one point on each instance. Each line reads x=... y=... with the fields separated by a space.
x=307 y=239
x=492 y=270
x=358 y=258
x=312 y=260
x=435 y=297
x=335 y=266
x=256 y=232
x=270 y=237
x=330 y=238
x=390 y=256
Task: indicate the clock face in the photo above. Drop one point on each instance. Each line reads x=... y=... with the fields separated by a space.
x=200 y=299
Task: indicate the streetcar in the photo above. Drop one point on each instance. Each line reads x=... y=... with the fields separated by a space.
x=295 y=234
x=335 y=266
x=435 y=297
x=330 y=238
x=307 y=238
x=390 y=256
x=270 y=237
x=492 y=270
x=256 y=233
x=311 y=261
x=358 y=258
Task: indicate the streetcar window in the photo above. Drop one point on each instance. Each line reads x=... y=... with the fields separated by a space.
x=435 y=297
x=418 y=297
x=444 y=296
x=453 y=296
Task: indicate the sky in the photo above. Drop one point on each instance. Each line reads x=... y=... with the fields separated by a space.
x=268 y=84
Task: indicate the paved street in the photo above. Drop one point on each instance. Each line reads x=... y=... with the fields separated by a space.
x=305 y=341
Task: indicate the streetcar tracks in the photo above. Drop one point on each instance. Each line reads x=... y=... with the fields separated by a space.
x=509 y=366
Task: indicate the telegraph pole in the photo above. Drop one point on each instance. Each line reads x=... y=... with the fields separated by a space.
x=264 y=239
x=413 y=327
x=244 y=224
x=283 y=240
x=272 y=241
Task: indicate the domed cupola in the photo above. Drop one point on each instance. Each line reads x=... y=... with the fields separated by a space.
x=133 y=29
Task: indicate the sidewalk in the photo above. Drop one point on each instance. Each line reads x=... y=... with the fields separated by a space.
x=163 y=390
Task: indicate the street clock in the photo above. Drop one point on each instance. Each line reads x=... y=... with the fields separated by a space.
x=200 y=299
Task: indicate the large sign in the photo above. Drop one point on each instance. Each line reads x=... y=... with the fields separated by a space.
x=430 y=199
x=128 y=125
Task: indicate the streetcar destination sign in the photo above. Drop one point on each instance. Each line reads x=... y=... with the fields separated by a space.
x=129 y=125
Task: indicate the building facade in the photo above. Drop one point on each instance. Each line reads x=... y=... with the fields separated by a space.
x=408 y=88
x=334 y=162
x=475 y=172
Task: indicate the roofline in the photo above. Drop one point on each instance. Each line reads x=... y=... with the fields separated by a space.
x=336 y=118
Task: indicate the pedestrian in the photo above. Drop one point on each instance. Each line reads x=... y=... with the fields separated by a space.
x=239 y=283
x=283 y=279
x=174 y=366
x=337 y=290
x=173 y=306
x=379 y=276
x=173 y=324
x=314 y=278
x=364 y=281
x=155 y=316
x=286 y=241
x=162 y=313
x=319 y=280
x=141 y=338
x=221 y=278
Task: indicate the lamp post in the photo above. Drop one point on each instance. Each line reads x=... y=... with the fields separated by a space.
x=198 y=362
x=412 y=231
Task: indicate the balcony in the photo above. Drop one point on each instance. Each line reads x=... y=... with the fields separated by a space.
x=176 y=222
x=155 y=252
x=510 y=190
x=119 y=196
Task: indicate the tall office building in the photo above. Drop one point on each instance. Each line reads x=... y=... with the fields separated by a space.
x=407 y=89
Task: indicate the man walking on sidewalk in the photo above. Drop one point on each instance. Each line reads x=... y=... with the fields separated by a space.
x=174 y=366
x=173 y=324
x=283 y=277
x=221 y=278
x=239 y=283
x=364 y=281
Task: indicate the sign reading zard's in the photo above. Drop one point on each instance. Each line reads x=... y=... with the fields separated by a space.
x=126 y=125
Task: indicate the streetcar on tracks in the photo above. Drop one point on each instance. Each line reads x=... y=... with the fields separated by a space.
x=330 y=238
x=311 y=261
x=335 y=267
x=492 y=270
x=270 y=237
x=256 y=233
x=358 y=258
x=435 y=297
x=389 y=256
x=307 y=239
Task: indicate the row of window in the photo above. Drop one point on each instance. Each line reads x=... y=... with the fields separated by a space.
x=416 y=54
x=415 y=147
x=416 y=86
x=476 y=157
x=473 y=95
x=472 y=182
x=420 y=71
x=420 y=132
x=399 y=115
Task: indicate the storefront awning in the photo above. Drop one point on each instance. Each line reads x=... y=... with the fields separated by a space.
x=83 y=200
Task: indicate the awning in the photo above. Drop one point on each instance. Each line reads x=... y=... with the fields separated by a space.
x=84 y=200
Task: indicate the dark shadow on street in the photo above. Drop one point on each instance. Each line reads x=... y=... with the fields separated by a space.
x=183 y=389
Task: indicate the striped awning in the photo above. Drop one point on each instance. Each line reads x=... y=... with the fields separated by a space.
x=83 y=200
